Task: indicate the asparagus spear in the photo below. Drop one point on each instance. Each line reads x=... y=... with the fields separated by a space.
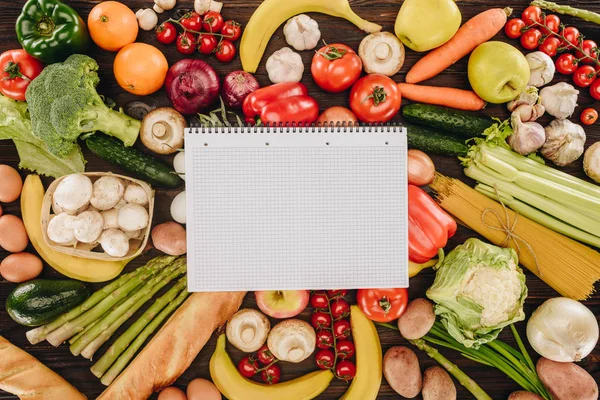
x=91 y=342
x=568 y=10
x=121 y=362
x=120 y=345
x=72 y=327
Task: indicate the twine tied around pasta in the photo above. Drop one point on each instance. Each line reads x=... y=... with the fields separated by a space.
x=508 y=228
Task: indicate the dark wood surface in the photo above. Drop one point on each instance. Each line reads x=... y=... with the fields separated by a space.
x=76 y=369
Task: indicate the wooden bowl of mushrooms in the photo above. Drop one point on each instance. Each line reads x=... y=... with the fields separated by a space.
x=98 y=215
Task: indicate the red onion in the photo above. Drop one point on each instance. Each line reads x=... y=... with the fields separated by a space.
x=236 y=86
x=192 y=85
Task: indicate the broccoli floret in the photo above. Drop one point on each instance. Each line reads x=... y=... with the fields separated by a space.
x=64 y=104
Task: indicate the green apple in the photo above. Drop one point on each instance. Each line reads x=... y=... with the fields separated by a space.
x=426 y=24
x=498 y=72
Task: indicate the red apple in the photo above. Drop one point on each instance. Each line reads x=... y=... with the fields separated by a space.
x=282 y=303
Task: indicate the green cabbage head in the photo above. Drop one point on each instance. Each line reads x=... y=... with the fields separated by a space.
x=478 y=290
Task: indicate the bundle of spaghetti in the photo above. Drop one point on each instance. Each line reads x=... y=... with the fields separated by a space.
x=569 y=267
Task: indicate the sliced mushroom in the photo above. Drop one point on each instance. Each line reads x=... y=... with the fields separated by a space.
x=61 y=229
x=114 y=242
x=88 y=226
x=381 y=53
x=292 y=340
x=247 y=330
x=134 y=193
x=72 y=194
x=162 y=130
x=108 y=190
x=132 y=217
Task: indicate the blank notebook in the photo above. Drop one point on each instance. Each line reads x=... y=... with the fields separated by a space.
x=296 y=208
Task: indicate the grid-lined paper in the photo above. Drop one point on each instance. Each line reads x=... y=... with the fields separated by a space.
x=281 y=211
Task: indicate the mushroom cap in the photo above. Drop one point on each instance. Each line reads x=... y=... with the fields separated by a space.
x=134 y=193
x=114 y=242
x=88 y=226
x=132 y=217
x=72 y=193
x=109 y=218
x=108 y=190
x=162 y=130
x=247 y=330
x=60 y=229
x=292 y=340
x=381 y=53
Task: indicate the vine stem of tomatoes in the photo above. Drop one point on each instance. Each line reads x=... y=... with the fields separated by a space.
x=177 y=22
x=335 y=353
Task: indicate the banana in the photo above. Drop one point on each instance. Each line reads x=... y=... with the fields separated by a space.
x=272 y=13
x=414 y=268
x=366 y=383
x=232 y=385
x=83 y=269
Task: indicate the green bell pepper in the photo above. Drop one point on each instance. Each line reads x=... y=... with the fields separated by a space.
x=50 y=30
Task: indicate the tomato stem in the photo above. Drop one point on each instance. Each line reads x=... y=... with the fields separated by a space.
x=14 y=71
x=177 y=21
x=332 y=53
x=379 y=95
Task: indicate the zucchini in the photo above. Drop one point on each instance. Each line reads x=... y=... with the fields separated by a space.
x=141 y=165
x=40 y=301
x=458 y=122
x=431 y=141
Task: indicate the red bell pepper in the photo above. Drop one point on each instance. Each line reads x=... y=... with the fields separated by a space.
x=301 y=110
x=257 y=100
x=429 y=227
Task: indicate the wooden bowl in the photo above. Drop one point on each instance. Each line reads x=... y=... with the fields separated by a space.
x=90 y=250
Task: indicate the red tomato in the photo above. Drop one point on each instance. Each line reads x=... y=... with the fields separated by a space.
x=340 y=309
x=17 y=70
x=342 y=329
x=550 y=45
x=337 y=115
x=192 y=21
x=319 y=301
x=248 y=367
x=232 y=30
x=595 y=89
x=590 y=48
x=382 y=305
x=345 y=370
x=207 y=44
x=566 y=64
x=325 y=359
x=589 y=116
x=332 y=294
x=271 y=374
x=225 y=50
x=513 y=28
x=345 y=349
x=375 y=98
x=213 y=22
x=324 y=339
x=584 y=76
x=335 y=67
x=552 y=23
x=186 y=43
x=532 y=14
x=166 y=33
x=571 y=35
x=531 y=39
x=320 y=320
x=264 y=355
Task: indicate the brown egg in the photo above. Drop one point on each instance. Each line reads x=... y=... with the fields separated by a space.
x=0 y=211
x=10 y=184
x=202 y=389
x=20 y=267
x=172 y=393
x=13 y=237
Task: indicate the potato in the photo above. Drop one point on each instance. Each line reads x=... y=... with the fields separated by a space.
x=567 y=381
x=169 y=237
x=417 y=320
x=402 y=372
x=437 y=385
x=523 y=395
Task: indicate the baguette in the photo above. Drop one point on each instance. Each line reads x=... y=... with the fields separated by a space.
x=24 y=376
x=175 y=346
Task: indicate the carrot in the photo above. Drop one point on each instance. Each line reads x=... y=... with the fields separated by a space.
x=442 y=96
x=475 y=31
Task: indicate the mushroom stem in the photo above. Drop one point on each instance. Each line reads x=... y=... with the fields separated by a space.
x=247 y=334
x=295 y=354
x=161 y=130
x=382 y=51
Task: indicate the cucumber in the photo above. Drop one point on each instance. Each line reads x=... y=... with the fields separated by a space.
x=457 y=122
x=431 y=141
x=40 y=301
x=143 y=166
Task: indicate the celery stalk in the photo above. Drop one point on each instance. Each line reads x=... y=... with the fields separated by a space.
x=509 y=172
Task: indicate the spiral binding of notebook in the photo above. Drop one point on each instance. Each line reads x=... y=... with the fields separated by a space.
x=296 y=207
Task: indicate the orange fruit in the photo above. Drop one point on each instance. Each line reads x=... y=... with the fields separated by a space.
x=112 y=25
x=140 y=68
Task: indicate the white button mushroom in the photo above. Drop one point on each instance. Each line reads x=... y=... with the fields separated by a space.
x=133 y=234
x=178 y=211
x=60 y=229
x=179 y=164
x=247 y=330
x=292 y=340
x=108 y=190
x=591 y=162
x=88 y=226
x=165 y=4
x=110 y=218
x=285 y=66
x=114 y=242
x=72 y=194
x=381 y=53
x=162 y=130
x=147 y=19
x=120 y=204
x=134 y=193
x=158 y=9
x=204 y=6
x=302 y=32
x=132 y=217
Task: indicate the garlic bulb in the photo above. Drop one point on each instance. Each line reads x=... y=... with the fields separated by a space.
x=285 y=66
x=564 y=142
x=527 y=137
x=562 y=330
x=527 y=105
x=541 y=68
x=529 y=113
x=302 y=32
x=591 y=162
x=560 y=100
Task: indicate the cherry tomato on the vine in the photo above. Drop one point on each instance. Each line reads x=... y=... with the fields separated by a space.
x=345 y=349
x=319 y=301
x=192 y=21
x=232 y=30
x=213 y=22
x=532 y=14
x=248 y=367
x=207 y=44
x=271 y=374
x=340 y=308
x=550 y=45
x=345 y=370
x=320 y=320
x=166 y=33
x=342 y=329
x=595 y=88
x=337 y=293
x=552 y=23
x=590 y=48
x=571 y=35
x=531 y=39
x=324 y=339
x=589 y=116
x=264 y=355
x=186 y=43
x=513 y=28
x=325 y=359
x=584 y=76
x=225 y=50
x=566 y=64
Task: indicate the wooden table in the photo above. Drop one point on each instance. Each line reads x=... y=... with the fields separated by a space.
x=76 y=369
